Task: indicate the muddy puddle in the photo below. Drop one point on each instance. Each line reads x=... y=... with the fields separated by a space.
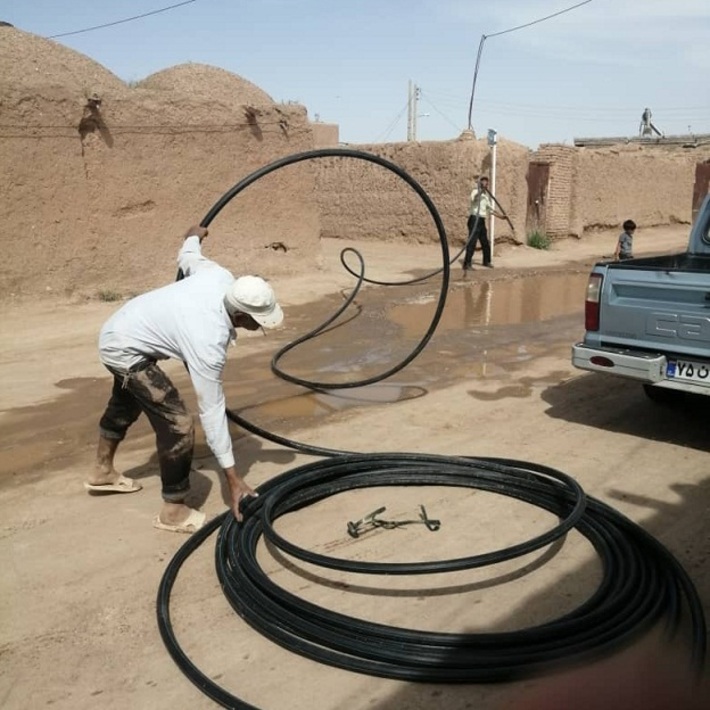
x=489 y=323
x=489 y=330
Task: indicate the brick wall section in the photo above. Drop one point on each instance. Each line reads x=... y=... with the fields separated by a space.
x=107 y=210
x=594 y=189
x=560 y=189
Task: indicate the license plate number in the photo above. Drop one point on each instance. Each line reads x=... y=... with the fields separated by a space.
x=688 y=371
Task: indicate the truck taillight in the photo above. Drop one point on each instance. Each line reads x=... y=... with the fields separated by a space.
x=591 y=304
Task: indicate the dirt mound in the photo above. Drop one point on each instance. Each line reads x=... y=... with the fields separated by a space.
x=209 y=83
x=30 y=64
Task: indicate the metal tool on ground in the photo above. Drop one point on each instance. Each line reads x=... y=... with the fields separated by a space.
x=371 y=521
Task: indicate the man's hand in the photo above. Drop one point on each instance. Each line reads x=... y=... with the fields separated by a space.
x=238 y=490
x=197 y=231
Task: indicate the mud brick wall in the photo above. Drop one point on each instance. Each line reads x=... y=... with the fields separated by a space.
x=560 y=190
x=361 y=200
x=592 y=189
x=98 y=195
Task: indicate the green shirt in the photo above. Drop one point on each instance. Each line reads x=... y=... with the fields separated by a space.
x=481 y=203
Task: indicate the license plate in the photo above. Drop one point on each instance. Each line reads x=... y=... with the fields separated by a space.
x=688 y=371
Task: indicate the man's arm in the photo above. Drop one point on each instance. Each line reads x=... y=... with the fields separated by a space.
x=491 y=211
x=213 y=417
x=190 y=257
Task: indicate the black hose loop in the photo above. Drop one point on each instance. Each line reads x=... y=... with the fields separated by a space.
x=325 y=386
x=642 y=584
x=313 y=482
x=443 y=243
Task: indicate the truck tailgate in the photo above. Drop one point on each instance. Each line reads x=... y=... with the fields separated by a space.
x=655 y=309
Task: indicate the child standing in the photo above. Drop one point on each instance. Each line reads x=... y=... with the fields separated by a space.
x=625 y=244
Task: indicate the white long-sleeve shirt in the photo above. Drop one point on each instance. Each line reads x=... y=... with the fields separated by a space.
x=185 y=320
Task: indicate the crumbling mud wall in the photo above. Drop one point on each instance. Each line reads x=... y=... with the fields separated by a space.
x=101 y=180
x=652 y=186
x=361 y=200
x=594 y=189
x=588 y=189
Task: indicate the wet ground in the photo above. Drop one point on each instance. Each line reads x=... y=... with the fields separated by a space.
x=503 y=344
x=488 y=328
x=492 y=325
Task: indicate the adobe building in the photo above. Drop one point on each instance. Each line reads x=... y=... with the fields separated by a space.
x=102 y=179
x=596 y=184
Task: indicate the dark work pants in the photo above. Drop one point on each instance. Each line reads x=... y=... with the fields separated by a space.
x=148 y=389
x=477 y=230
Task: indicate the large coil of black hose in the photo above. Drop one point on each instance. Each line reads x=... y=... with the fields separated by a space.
x=641 y=584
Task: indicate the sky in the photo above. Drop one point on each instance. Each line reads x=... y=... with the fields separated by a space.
x=589 y=72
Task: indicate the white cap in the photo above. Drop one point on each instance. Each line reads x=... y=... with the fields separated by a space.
x=252 y=295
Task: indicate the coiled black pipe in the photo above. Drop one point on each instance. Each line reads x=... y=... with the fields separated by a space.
x=318 y=330
x=642 y=582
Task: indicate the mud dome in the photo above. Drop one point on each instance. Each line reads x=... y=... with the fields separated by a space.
x=103 y=177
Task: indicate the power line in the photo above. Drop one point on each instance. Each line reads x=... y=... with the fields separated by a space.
x=601 y=110
x=392 y=125
x=502 y=32
x=443 y=115
x=120 y=22
x=453 y=101
x=541 y=19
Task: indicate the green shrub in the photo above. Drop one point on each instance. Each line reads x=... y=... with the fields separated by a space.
x=539 y=240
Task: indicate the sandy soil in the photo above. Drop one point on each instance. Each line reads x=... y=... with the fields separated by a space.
x=80 y=573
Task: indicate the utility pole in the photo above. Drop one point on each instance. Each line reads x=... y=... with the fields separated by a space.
x=493 y=142
x=412 y=111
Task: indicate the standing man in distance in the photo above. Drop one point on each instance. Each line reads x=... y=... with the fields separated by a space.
x=480 y=208
x=193 y=320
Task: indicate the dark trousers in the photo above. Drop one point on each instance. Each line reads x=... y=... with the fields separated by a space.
x=477 y=230
x=146 y=388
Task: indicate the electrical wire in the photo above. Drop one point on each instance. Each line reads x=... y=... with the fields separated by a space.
x=120 y=22
x=539 y=20
x=503 y=32
x=393 y=124
x=425 y=97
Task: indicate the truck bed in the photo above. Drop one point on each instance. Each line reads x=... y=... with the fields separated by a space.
x=682 y=261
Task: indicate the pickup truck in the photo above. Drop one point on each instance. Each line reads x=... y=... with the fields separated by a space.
x=648 y=318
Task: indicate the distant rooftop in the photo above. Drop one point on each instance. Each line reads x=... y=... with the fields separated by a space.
x=689 y=140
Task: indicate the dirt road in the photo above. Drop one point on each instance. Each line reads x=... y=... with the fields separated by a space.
x=80 y=573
